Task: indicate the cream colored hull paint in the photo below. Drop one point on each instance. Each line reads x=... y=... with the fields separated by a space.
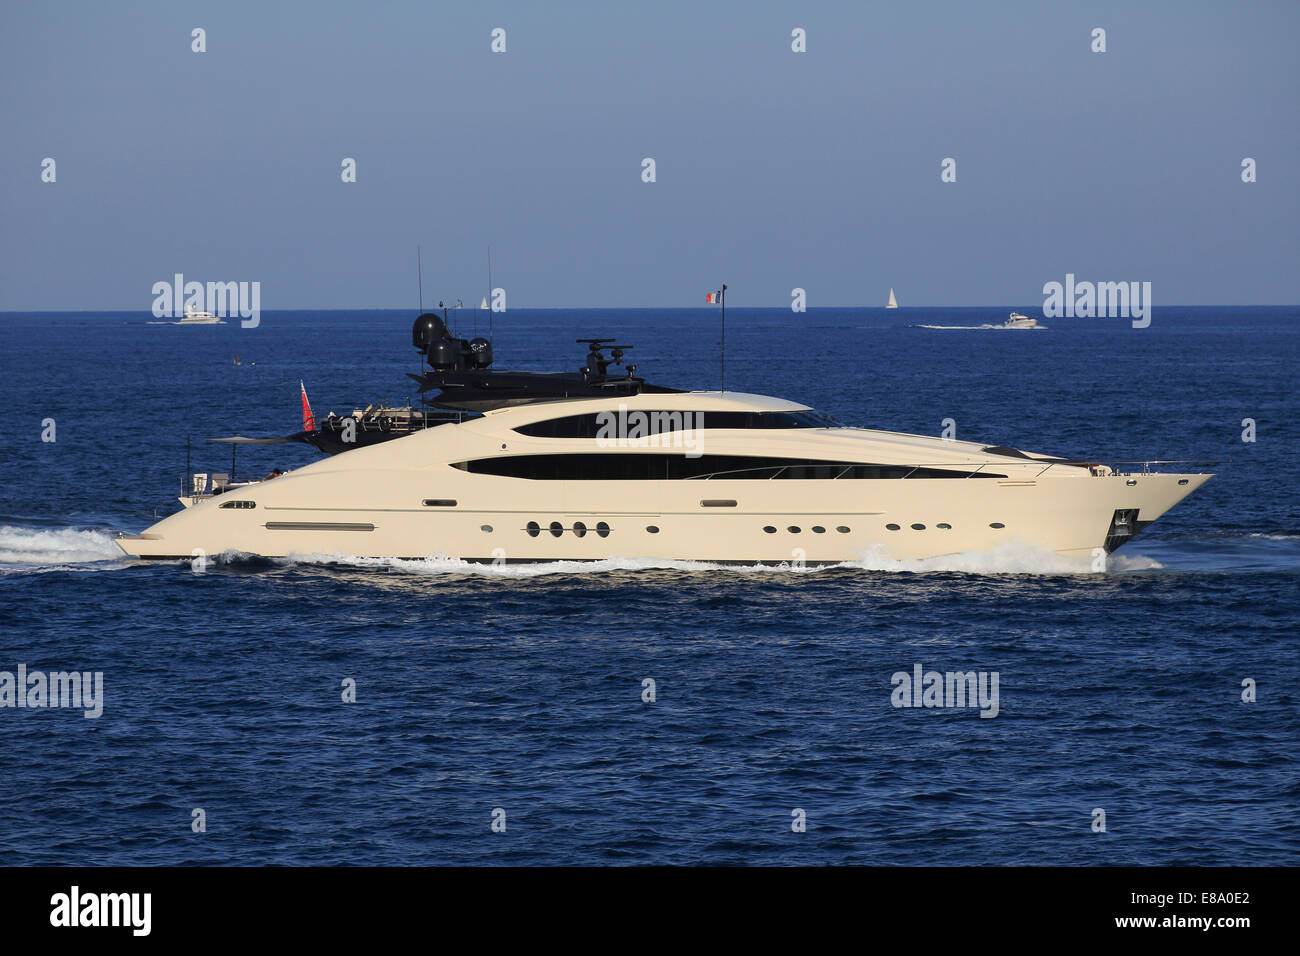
x=1056 y=507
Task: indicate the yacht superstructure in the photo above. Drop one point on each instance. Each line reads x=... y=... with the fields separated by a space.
x=588 y=465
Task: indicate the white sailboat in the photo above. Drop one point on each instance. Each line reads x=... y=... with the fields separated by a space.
x=892 y=303
x=483 y=304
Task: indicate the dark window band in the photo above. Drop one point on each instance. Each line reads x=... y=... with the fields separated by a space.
x=661 y=422
x=616 y=466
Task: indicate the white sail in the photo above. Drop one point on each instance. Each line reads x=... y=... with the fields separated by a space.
x=483 y=305
x=893 y=303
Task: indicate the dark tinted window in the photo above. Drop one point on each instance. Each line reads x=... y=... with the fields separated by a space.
x=635 y=422
x=612 y=466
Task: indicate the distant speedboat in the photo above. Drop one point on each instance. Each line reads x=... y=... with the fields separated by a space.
x=199 y=317
x=892 y=303
x=1018 y=321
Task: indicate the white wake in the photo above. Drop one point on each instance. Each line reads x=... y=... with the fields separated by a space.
x=55 y=546
x=979 y=328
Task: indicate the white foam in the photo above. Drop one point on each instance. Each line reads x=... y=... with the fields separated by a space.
x=43 y=546
x=442 y=564
x=1011 y=558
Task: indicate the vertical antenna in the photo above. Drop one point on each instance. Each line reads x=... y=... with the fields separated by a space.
x=420 y=271
x=490 y=309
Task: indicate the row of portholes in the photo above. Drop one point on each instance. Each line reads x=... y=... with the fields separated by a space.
x=942 y=526
x=816 y=529
x=579 y=529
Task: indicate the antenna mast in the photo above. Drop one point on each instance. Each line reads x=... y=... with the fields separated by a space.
x=420 y=271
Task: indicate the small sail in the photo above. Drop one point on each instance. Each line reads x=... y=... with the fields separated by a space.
x=483 y=304
x=308 y=419
x=893 y=303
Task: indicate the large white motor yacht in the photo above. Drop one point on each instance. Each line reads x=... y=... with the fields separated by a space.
x=592 y=466
x=195 y=316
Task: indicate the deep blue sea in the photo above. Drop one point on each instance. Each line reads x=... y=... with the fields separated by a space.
x=521 y=688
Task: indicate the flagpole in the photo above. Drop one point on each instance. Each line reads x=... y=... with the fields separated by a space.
x=723 y=297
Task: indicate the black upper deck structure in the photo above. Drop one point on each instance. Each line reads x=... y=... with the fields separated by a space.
x=459 y=370
x=461 y=374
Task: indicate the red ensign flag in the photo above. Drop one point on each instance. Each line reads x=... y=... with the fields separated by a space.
x=308 y=419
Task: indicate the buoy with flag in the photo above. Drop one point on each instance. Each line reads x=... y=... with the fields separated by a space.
x=308 y=419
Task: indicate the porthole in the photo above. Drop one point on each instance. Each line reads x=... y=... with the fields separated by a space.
x=794 y=529
x=579 y=529
x=652 y=529
x=486 y=527
x=1131 y=482
x=944 y=526
x=718 y=503
x=997 y=524
x=768 y=529
x=818 y=529
x=842 y=529
x=440 y=502
x=557 y=529
x=893 y=527
x=533 y=529
x=602 y=529
x=1182 y=481
x=918 y=527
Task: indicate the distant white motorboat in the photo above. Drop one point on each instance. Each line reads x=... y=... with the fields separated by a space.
x=199 y=317
x=1018 y=321
x=892 y=303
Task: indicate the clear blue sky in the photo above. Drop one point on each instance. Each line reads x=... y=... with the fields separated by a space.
x=775 y=169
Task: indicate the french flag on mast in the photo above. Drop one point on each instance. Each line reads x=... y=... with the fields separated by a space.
x=308 y=419
x=713 y=297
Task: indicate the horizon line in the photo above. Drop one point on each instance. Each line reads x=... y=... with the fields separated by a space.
x=673 y=308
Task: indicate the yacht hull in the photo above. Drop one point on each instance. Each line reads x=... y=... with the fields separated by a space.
x=385 y=504
x=440 y=492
